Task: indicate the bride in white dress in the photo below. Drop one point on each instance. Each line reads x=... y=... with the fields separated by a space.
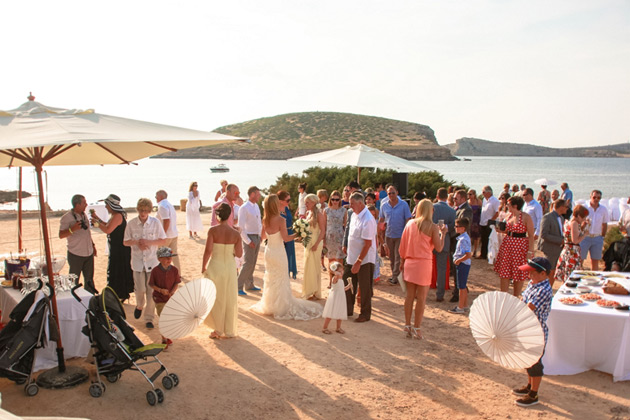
x=277 y=297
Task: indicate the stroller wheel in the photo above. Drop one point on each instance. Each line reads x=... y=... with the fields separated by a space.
x=152 y=397
x=160 y=395
x=20 y=381
x=168 y=382
x=175 y=379
x=31 y=390
x=97 y=390
x=112 y=378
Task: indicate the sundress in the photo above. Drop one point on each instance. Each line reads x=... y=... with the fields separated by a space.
x=513 y=253
x=569 y=259
x=475 y=230
x=334 y=232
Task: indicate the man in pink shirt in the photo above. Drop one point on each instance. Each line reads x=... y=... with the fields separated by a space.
x=231 y=195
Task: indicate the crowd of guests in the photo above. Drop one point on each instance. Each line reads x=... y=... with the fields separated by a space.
x=353 y=229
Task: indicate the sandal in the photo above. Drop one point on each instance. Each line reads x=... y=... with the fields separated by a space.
x=326 y=331
x=407 y=330
x=340 y=331
x=214 y=335
x=416 y=333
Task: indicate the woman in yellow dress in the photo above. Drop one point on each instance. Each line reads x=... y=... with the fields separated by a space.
x=222 y=245
x=313 y=252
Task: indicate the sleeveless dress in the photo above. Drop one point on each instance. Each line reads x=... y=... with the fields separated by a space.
x=513 y=253
x=475 y=230
x=221 y=270
x=334 y=232
x=569 y=257
x=416 y=249
x=119 y=274
x=277 y=298
x=312 y=284
x=193 y=217
x=336 y=306
x=289 y=247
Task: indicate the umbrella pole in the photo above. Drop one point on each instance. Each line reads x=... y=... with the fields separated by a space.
x=19 y=210
x=359 y=175
x=59 y=377
x=49 y=266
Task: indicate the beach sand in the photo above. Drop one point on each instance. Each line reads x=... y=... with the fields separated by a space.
x=290 y=370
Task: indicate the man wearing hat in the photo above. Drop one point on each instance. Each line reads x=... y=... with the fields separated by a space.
x=537 y=296
x=74 y=227
x=167 y=215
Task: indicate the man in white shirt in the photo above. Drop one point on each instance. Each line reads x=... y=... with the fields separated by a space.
x=75 y=227
x=301 y=203
x=362 y=254
x=489 y=211
x=534 y=209
x=144 y=234
x=251 y=227
x=594 y=242
x=167 y=215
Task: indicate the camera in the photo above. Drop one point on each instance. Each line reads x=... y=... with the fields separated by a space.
x=492 y=222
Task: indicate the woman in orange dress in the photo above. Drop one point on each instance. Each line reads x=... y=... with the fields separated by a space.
x=418 y=240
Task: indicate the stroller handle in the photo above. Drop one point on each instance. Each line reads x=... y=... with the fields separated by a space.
x=74 y=294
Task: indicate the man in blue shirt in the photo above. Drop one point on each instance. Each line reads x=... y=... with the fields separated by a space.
x=395 y=213
x=567 y=195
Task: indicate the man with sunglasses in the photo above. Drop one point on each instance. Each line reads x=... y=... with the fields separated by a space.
x=395 y=213
x=594 y=242
x=74 y=227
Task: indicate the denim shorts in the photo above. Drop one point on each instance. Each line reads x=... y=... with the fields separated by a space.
x=462 y=275
x=594 y=245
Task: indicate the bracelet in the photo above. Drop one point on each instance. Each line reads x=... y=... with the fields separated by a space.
x=70 y=230
x=360 y=259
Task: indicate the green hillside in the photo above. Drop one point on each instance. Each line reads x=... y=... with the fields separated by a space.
x=290 y=135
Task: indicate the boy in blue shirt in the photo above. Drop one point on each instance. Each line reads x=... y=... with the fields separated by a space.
x=537 y=296
x=462 y=261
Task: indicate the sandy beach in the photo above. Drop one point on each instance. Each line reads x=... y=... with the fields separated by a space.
x=290 y=370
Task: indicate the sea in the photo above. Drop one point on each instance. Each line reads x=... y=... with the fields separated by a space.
x=131 y=182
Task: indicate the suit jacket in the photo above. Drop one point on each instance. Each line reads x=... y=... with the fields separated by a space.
x=551 y=238
x=465 y=211
x=442 y=211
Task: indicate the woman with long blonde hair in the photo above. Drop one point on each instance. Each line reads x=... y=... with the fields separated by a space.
x=420 y=237
x=313 y=252
x=277 y=298
x=193 y=215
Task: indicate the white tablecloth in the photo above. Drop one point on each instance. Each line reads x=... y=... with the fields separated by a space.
x=71 y=320
x=588 y=337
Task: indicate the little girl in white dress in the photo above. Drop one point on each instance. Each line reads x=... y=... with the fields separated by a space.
x=336 y=307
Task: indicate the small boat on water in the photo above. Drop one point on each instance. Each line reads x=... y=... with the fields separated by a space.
x=221 y=167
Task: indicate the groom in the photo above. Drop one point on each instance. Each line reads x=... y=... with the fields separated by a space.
x=361 y=254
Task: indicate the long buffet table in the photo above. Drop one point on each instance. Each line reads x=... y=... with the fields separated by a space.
x=71 y=320
x=587 y=336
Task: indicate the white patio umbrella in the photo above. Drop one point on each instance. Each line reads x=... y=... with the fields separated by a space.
x=545 y=181
x=362 y=156
x=37 y=135
x=507 y=331
x=187 y=308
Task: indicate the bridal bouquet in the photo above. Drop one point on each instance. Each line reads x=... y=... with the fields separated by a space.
x=302 y=230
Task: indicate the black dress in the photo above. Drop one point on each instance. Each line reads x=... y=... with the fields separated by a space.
x=119 y=274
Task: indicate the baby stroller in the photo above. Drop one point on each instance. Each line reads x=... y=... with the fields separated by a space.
x=21 y=336
x=116 y=348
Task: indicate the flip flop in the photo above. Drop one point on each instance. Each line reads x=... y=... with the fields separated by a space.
x=326 y=331
x=340 y=331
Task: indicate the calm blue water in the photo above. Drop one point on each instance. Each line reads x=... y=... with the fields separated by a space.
x=131 y=182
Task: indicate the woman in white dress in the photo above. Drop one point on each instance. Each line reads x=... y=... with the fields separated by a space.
x=193 y=217
x=277 y=298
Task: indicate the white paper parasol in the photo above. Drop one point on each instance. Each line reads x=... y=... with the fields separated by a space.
x=187 y=308
x=507 y=331
x=545 y=181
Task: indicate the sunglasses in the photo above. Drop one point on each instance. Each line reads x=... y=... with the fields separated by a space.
x=391 y=193
x=335 y=199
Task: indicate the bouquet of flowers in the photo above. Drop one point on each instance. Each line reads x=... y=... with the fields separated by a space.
x=302 y=231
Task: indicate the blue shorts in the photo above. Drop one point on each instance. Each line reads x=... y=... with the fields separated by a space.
x=462 y=275
x=594 y=245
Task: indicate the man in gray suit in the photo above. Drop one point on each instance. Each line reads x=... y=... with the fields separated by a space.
x=462 y=210
x=442 y=211
x=551 y=237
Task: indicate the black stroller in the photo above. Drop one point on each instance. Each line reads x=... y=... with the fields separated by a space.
x=116 y=348
x=20 y=338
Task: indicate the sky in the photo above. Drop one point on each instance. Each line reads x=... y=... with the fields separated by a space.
x=552 y=73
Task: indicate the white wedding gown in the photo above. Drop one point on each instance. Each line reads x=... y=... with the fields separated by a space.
x=277 y=297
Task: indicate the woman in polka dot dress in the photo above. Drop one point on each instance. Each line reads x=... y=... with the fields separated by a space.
x=517 y=246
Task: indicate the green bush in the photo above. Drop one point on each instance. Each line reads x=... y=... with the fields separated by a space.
x=332 y=179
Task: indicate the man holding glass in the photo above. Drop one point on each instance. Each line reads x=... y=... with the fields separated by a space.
x=594 y=242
